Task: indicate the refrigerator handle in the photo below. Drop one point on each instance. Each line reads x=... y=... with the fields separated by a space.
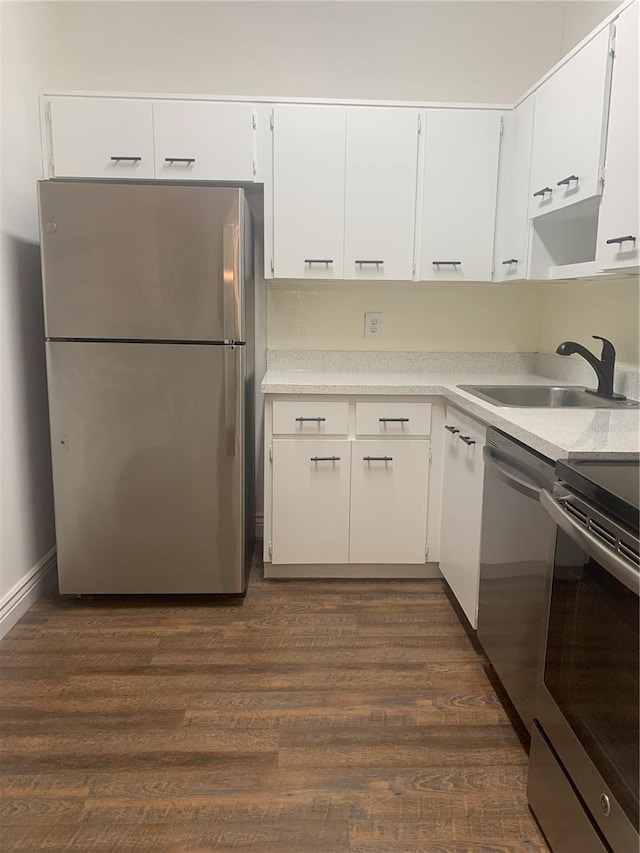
x=230 y=399
x=230 y=283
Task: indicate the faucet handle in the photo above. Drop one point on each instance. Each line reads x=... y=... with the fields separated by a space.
x=608 y=349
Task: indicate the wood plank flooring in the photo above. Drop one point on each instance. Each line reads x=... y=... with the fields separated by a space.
x=307 y=717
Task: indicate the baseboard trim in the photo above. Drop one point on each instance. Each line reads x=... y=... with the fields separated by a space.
x=396 y=571
x=26 y=591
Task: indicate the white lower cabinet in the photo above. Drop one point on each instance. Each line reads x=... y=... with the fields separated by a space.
x=311 y=500
x=389 y=481
x=463 y=479
x=334 y=497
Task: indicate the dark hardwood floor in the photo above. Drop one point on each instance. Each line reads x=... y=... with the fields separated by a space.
x=308 y=717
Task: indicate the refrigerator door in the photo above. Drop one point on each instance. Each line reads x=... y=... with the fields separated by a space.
x=142 y=262
x=148 y=467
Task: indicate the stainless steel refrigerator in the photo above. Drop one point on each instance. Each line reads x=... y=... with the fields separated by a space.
x=148 y=294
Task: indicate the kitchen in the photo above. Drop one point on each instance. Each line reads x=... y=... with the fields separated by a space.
x=62 y=51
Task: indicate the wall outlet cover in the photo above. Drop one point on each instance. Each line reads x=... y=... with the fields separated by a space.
x=373 y=324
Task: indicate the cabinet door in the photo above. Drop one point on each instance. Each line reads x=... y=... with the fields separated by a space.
x=310 y=501
x=512 y=216
x=463 y=475
x=101 y=138
x=459 y=200
x=380 y=201
x=308 y=191
x=568 y=130
x=619 y=209
x=203 y=142
x=389 y=486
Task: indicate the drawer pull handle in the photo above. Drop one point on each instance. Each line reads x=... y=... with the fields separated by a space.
x=377 y=263
x=394 y=420
x=510 y=261
x=315 y=420
x=566 y=181
x=467 y=439
x=543 y=191
x=187 y=160
x=318 y=261
x=325 y=458
x=130 y=159
x=377 y=458
x=446 y=263
x=453 y=430
x=620 y=240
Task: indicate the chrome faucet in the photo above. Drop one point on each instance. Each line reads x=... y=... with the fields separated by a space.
x=604 y=366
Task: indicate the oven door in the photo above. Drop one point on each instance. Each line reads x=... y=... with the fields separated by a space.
x=588 y=701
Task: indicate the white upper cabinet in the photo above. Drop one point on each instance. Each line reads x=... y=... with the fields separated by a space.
x=618 y=222
x=380 y=192
x=568 y=132
x=308 y=191
x=512 y=216
x=196 y=141
x=101 y=138
x=462 y=149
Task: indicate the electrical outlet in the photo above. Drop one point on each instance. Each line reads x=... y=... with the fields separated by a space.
x=373 y=324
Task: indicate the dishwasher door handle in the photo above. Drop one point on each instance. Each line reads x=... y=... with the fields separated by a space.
x=512 y=478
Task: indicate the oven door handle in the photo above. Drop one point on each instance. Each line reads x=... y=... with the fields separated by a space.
x=509 y=476
x=611 y=561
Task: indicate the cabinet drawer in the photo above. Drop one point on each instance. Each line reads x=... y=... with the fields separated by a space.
x=291 y=417
x=393 y=419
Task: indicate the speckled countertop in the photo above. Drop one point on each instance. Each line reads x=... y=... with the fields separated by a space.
x=556 y=433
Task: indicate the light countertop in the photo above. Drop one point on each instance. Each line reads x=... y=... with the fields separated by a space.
x=556 y=433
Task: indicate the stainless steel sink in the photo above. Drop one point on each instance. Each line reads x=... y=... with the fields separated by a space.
x=545 y=397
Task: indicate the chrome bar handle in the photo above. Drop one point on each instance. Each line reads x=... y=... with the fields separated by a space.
x=566 y=181
x=453 y=430
x=377 y=263
x=318 y=261
x=543 y=191
x=377 y=458
x=231 y=361
x=610 y=560
x=394 y=420
x=130 y=159
x=230 y=291
x=446 y=263
x=510 y=261
x=315 y=420
x=467 y=439
x=325 y=458
x=187 y=160
x=620 y=240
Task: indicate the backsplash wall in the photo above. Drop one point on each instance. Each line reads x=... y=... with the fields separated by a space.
x=419 y=317
x=576 y=310
x=433 y=317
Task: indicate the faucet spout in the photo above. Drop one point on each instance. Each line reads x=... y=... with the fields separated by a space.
x=604 y=366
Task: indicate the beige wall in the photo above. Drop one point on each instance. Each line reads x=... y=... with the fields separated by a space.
x=26 y=507
x=449 y=51
x=417 y=317
x=577 y=310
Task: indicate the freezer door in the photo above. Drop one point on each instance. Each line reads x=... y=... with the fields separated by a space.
x=148 y=467
x=151 y=262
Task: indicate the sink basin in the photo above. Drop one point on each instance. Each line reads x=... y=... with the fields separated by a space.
x=545 y=397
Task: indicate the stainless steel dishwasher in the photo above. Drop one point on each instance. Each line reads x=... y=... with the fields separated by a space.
x=516 y=538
